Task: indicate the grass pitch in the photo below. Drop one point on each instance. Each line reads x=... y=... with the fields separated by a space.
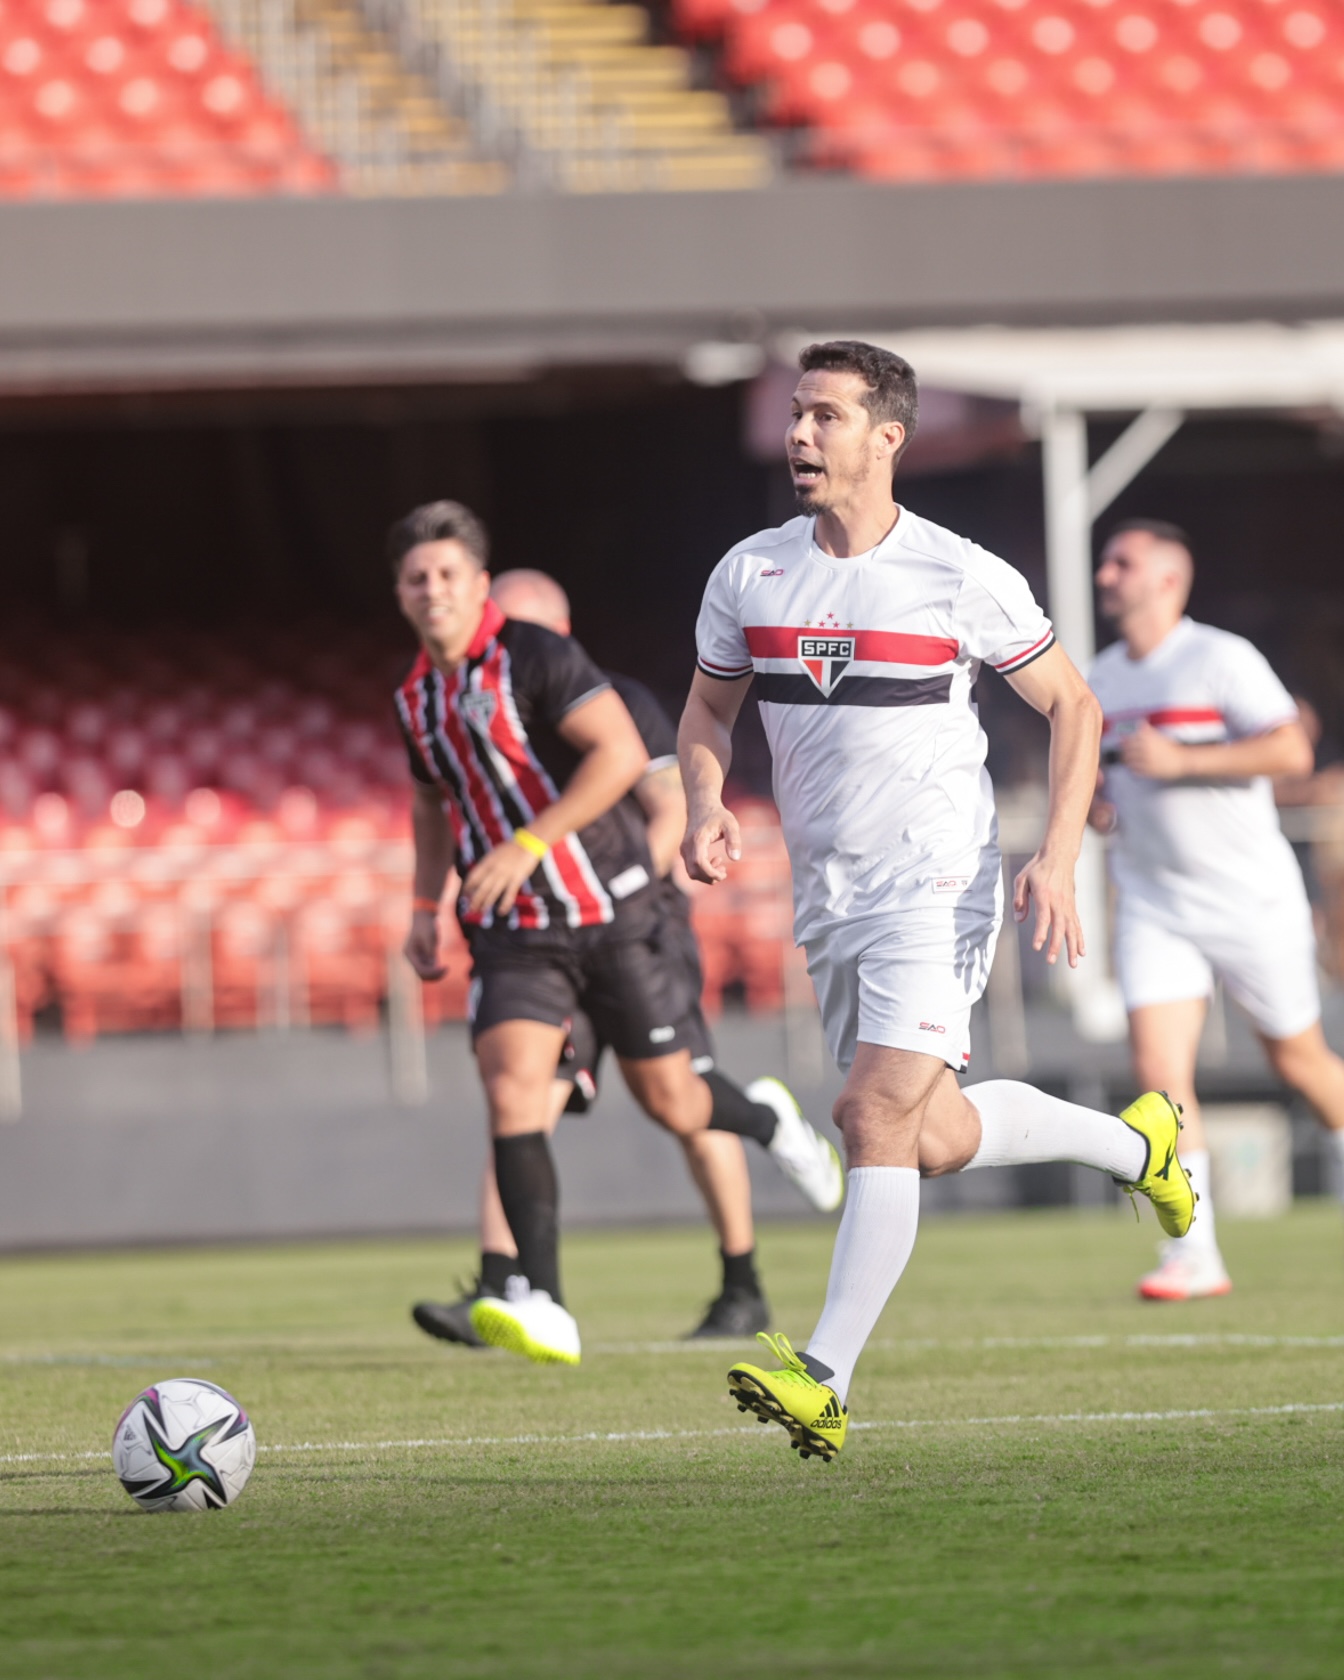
x=1047 y=1478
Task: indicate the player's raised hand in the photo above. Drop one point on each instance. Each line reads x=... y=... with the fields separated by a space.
x=1045 y=885
x=422 y=946
x=713 y=841
x=494 y=882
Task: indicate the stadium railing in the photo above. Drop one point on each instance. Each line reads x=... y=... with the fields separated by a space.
x=574 y=93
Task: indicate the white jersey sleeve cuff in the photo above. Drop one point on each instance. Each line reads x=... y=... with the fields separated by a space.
x=1016 y=661
x=725 y=673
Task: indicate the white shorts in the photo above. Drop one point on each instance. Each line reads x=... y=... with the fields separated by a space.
x=907 y=980
x=1267 y=964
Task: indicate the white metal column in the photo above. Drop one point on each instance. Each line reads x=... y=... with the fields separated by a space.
x=1074 y=496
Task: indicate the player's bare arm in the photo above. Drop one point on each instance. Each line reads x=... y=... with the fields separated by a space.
x=1055 y=687
x=1285 y=751
x=705 y=748
x=434 y=853
x=663 y=801
x=613 y=759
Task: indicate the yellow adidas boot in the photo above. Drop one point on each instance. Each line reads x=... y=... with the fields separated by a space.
x=811 y=1412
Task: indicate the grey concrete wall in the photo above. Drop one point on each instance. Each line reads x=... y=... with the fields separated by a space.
x=167 y=1139
x=272 y=291
x=243 y=1137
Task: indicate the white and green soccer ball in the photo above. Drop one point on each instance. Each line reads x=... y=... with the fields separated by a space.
x=184 y=1445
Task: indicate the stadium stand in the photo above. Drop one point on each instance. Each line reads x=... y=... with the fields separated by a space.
x=947 y=89
x=582 y=98
x=135 y=97
x=196 y=837
x=211 y=833
x=372 y=109
x=156 y=97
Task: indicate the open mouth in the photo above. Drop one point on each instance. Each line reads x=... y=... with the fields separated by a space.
x=806 y=472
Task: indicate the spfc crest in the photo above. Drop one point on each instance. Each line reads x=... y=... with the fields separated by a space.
x=824 y=658
x=478 y=708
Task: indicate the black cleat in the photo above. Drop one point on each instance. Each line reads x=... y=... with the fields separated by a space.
x=737 y=1312
x=450 y=1321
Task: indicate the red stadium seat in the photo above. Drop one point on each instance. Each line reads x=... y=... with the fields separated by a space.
x=974 y=87
x=118 y=97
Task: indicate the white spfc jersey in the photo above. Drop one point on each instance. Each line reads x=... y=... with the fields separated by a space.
x=1192 y=852
x=864 y=669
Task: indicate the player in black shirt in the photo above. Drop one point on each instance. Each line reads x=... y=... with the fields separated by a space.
x=715 y=1158
x=522 y=755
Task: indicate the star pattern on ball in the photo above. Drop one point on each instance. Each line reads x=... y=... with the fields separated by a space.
x=185 y=1463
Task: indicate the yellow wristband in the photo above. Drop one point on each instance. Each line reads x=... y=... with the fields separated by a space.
x=531 y=843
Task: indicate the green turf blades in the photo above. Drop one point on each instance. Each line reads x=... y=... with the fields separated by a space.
x=634 y=1517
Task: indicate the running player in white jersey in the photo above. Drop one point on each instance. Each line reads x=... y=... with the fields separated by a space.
x=1196 y=723
x=864 y=628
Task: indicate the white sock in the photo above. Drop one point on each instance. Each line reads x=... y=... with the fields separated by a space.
x=1202 y=1237
x=1021 y=1124
x=872 y=1246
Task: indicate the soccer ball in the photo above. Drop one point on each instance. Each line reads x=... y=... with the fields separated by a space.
x=184 y=1445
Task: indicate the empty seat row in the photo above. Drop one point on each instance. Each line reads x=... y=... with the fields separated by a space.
x=108 y=97
x=912 y=89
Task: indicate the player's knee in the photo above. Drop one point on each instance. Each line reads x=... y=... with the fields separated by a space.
x=861 y=1117
x=516 y=1104
x=666 y=1095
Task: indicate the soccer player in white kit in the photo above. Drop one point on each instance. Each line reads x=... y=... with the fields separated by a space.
x=864 y=628
x=1196 y=723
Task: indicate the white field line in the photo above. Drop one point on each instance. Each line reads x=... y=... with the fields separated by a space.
x=719 y=1345
x=1009 y=1420
x=982 y=1343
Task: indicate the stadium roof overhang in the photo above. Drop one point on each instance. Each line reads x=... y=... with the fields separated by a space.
x=266 y=294
x=1159 y=374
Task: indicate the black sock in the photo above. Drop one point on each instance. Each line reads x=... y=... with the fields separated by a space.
x=734 y=1110
x=497 y=1269
x=525 y=1173
x=739 y=1272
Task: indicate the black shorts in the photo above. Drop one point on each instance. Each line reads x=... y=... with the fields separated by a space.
x=637 y=1000
x=583 y=1052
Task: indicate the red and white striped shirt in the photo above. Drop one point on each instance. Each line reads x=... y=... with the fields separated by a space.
x=1194 y=851
x=486 y=736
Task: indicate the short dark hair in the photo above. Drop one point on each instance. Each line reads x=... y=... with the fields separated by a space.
x=1162 y=529
x=438 y=522
x=892 y=394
